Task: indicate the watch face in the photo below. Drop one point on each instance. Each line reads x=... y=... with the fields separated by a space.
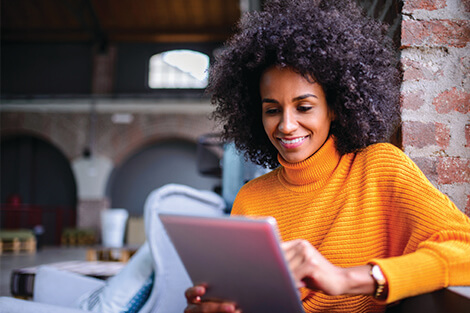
x=377 y=274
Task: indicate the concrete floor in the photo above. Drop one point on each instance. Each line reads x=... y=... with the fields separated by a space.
x=9 y=261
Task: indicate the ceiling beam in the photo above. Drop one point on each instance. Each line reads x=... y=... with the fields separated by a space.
x=99 y=34
x=114 y=37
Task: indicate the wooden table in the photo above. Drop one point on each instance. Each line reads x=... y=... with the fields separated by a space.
x=452 y=299
x=22 y=279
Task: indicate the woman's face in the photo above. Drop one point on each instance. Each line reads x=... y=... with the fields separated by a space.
x=295 y=114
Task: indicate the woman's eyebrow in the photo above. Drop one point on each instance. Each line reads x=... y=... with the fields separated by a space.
x=268 y=100
x=305 y=96
x=301 y=97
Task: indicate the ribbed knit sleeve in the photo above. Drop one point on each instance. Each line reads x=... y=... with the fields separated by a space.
x=427 y=231
x=374 y=206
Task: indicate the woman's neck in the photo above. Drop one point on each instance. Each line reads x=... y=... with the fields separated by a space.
x=313 y=171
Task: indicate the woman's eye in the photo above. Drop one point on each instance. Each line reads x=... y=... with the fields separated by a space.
x=271 y=111
x=304 y=108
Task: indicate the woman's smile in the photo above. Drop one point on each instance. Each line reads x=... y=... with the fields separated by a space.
x=291 y=143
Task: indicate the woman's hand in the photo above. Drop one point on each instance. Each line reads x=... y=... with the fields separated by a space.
x=312 y=270
x=193 y=297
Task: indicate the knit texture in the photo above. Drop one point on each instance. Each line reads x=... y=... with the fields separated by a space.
x=374 y=206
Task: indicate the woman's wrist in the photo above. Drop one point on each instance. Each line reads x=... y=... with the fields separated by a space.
x=357 y=280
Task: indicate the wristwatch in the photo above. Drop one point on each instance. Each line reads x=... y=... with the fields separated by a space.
x=380 y=281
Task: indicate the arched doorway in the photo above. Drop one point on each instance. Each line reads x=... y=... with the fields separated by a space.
x=37 y=180
x=153 y=166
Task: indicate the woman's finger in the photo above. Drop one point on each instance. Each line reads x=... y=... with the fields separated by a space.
x=212 y=307
x=289 y=244
x=289 y=249
x=300 y=255
x=194 y=294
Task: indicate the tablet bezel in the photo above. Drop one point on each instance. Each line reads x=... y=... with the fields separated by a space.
x=239 y=258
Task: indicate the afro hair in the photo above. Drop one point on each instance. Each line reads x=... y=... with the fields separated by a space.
x=347 y=53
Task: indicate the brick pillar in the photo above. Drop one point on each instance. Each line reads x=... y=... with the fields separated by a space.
x=103 y=70
x=89 y=214
x=436 y=93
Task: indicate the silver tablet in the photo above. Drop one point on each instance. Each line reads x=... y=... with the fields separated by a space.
x=239 y=259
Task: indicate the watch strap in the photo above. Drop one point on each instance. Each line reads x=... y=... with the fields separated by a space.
x=380 y=281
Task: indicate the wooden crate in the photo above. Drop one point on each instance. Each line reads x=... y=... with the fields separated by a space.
x=17 y=241
x=110 y=254
x=78 y=237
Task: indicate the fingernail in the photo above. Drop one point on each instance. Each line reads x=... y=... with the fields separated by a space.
x=228 y=307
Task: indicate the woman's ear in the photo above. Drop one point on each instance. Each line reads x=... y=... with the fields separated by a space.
x=331 y=114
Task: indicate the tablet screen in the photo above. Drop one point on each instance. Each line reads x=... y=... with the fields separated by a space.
x=238 y=258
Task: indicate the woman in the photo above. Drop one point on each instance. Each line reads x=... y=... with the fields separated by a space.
x=312 y=86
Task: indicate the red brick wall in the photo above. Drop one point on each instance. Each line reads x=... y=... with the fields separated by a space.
x=436 y=93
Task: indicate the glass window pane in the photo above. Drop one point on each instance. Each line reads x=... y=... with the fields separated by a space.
x=179 y=69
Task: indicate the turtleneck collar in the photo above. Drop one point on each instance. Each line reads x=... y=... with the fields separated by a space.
x=313 y=172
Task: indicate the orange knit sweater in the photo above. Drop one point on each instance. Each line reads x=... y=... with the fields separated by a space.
x=374 y=206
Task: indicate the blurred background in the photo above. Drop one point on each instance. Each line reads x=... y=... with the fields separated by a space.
x=102 y=101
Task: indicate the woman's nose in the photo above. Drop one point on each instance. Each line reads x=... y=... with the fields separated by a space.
x=288 y=123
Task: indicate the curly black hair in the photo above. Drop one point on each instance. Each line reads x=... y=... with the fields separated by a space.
x=347 y=53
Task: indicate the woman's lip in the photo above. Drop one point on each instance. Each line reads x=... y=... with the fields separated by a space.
x=291 y=143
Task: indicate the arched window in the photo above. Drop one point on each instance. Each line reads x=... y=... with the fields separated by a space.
x=177 y=69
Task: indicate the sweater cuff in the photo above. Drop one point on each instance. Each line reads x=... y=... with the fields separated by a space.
x=413 y=274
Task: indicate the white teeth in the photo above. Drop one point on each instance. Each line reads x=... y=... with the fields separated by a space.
x=289 y=142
